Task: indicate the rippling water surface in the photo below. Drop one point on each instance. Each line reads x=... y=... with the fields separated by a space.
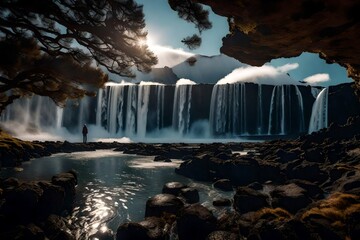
x=112 y=188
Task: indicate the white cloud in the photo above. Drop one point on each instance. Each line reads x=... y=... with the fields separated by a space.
x=288 y=67
x=168 y=56
x=317 y=78
x=262 y=75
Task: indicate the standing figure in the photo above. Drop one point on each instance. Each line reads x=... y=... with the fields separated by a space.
x=84 y=132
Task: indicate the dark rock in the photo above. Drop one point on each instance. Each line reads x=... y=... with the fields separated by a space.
x=56 y=228
x=286 y=156
x=155 y=228
x=22 y=202
x=23 y=232
x=247 y=200
x=197 y=168
x=173 y=188
x=308 y=171
x=311 y=190
x=256 y=186
x=222 y=235
x=191 y=195
x=223 y=184
x=222 y=202
x=163 y=203
x=281 y=230
x=68 y=182
x=103 y=235
x=314 y=155
x=290 y=197
x=161 y=159
x=195 y=222
x=52 y=201
x=132 y=231
x=10 y=183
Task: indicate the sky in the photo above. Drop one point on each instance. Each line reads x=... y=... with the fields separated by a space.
x=166 y=30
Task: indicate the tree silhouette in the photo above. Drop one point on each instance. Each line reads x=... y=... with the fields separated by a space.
x=54 y=47
x=194 y=13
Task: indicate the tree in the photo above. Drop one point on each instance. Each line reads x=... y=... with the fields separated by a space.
x=54 y=47
x=194 y=13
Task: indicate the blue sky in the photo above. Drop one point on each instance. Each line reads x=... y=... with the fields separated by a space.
x=165 y=28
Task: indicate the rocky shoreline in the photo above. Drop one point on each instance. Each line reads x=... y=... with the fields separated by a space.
x=308 y=188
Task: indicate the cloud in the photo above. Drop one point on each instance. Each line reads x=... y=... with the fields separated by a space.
x=317 y=78
x=261 y=75
x=288 y=67
x=169 y=56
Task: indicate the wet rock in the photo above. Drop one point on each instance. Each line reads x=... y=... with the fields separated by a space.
x=161 y=158
x=191 y=195
x=311 y=190
x=68 y=182
x=195 y=222
x=221 y=202
x=196 y=168
x=52 y=201
x=22 y=202
x=56 y=228
x=290 y=197
x=256 y=186
x=162 y=203
x=221 y=235
x=173 y=188
x=23 y=232
x=131 y=231
x=247 y=200
x=103 y=235
x=155 y=228
x=223 y=184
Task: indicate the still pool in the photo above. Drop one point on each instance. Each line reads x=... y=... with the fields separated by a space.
x=112 y=187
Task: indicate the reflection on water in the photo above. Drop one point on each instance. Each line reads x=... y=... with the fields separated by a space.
x=112 y=187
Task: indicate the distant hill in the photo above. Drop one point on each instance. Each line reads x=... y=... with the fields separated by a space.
x=198 y=68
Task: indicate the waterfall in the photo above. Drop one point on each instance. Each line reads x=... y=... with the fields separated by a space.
x=99 y=107
x=228 y=109
x=277 y=111
x=260 y=111
x=131 y=111
x=319 y=114
x=301 y=109
x=160 y=89
x=115 y=109
x=182 y=107
x=142 y=108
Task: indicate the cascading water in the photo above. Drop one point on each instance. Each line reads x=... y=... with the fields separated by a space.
x=147 y=109
x=319 y=114
x=182 y=106
x=301 y=108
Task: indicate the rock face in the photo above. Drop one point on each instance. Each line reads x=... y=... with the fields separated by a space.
x=262 y=31
x=162 y=203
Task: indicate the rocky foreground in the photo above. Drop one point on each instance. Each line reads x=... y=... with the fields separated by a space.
x=308 y=188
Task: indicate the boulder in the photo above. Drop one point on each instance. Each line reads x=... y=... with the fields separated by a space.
x=221 y=202
x=68 y=182
x=132 y=231
x=52 y=200
x=223 y=184
x=195 y=222
x=161 y=158
x=173 y=188
x=56 y=228
x=290 y=197
x=256 y=186
x=222 y=235
x=163 y=203
x=190 y=195
x=248 y=200
x=103 y=235
x=22 y=202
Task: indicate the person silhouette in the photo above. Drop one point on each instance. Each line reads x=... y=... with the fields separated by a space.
x=84 y=132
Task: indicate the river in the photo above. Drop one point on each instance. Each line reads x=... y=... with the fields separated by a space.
x=112 y=187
